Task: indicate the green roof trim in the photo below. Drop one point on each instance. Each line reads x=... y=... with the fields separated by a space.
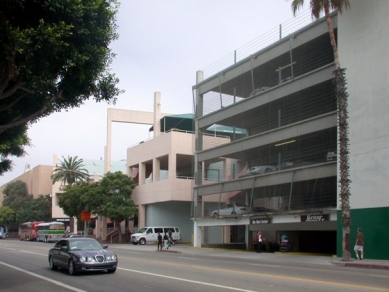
x=185 y=122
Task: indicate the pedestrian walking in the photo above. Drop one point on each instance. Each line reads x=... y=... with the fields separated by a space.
x=170 y=233
x=67 y=231
x=358 y=248
x=159 y=241
x=259 y=239
x=166 y=240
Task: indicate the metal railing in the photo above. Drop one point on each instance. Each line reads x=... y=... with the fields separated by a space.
x=302 y=19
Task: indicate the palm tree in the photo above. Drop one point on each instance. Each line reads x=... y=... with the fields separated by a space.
x=318 y=6
x=69 y=171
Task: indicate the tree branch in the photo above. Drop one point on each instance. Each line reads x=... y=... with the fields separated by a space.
x=4 y=108
x=11 y=91
x=20 y=121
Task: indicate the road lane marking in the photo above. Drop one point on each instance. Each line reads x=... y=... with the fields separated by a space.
x=298 y=279
x=31 y=252
x=185 y=258
x=186 y=280
x=262 y=265
x=43 y=278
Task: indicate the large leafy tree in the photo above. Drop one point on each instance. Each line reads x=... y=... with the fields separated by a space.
x=25 y=207
x=317 y=7
x=112 y=198
x=72 y=200
x=15 y=193
x=70 y=170
x=54 y=55
x=12 y=143
x=7 y=215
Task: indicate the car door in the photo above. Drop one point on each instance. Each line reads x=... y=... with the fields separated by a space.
x=226 y=209
x=64 y=253
x=54 y=252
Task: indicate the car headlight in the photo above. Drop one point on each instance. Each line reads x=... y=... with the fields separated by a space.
x=87 y=259
x=111 y=258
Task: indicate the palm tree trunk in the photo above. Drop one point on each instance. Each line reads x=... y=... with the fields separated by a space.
x=332 y=37
x=343 y=153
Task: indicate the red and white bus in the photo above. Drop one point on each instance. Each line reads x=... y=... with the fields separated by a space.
x=29 y=230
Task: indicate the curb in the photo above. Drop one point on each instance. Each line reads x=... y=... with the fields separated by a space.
x=361 y=265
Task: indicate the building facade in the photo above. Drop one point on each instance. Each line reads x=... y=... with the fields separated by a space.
x=284 y=171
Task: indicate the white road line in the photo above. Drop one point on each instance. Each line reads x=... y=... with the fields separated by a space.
x=26 y=251
x=43 y=278
x=379 y=276
x=186 y=280
x=188 y=258
x=262 y=265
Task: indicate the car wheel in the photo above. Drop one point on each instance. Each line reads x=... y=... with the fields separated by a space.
x=233 y=213
x=135 y=243
x=268 y=170
x=71 y=268
x=142 y=241
x=214 y=215
x=51 y=264
x=111 y=271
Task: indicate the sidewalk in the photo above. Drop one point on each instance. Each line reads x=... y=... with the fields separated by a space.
x=276 y=258
x=365 y=263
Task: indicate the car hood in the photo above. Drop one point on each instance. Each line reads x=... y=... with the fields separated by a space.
x=91 y=253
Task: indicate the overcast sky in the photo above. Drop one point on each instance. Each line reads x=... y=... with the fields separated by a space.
x=161 y=46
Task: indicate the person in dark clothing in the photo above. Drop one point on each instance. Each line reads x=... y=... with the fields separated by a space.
x=159 y=241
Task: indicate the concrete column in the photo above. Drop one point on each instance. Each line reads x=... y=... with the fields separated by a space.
x=141 y=216
x=108 y=146
x=172 y=167
x=157 y=114
x=142 y=169
x=196 y=234
x=156 y=170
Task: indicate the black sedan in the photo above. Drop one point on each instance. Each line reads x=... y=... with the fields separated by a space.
x=79 y=254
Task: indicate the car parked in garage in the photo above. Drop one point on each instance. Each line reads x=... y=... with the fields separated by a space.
x=231 y=209
x=259 y=170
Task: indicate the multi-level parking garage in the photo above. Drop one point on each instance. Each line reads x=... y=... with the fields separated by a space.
x=284 y=166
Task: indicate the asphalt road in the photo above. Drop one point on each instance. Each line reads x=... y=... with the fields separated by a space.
x=24 y=267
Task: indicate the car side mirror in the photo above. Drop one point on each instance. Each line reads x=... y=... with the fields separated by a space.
x=64 y=248
x=105 y=246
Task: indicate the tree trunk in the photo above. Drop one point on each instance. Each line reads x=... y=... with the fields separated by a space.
x=343 y=151
x=332 y=37
x=117 y=223
x=343 y=160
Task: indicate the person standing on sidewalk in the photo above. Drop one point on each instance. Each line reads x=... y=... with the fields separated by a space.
x=259 y=239
x=166 y=241
x=359 y=244
x=159 y=241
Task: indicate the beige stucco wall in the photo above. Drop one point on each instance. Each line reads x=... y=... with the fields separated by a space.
x=38 y=181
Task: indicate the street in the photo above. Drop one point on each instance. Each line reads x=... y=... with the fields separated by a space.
x=24 y=267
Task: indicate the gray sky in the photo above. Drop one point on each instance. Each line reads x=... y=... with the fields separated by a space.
x=161 y=46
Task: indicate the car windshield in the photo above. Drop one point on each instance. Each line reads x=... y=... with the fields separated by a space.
x=85 y=245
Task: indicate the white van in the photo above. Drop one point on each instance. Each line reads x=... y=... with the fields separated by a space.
x=150 y=234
